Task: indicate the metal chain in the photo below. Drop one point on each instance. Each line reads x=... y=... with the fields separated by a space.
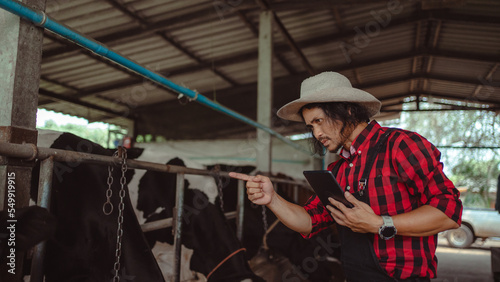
x=121 y=207
x=264 y=219
x=109 y=193
x=221 y=195
x=219 y=187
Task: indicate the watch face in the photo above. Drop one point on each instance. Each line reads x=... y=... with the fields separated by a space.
x=387 y=231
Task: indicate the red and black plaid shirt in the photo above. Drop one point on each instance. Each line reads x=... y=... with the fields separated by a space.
x=406 y=175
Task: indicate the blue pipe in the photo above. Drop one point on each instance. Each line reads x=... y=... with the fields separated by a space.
x=42 y=20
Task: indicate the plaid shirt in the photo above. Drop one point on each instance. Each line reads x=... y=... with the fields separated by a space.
x=406 y=175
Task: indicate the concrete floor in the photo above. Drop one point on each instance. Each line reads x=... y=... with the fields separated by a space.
x=465 y=265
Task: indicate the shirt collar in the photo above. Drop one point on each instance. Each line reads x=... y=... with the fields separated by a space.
x=359 y=142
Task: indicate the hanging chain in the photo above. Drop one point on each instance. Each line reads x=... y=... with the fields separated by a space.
x=121 y=207
x=264 y=219
x=109 y=193
x=219 y=187
x=121 y=152
x=221 y=195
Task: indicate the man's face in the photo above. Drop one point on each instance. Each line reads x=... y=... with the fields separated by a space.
x=324 y=129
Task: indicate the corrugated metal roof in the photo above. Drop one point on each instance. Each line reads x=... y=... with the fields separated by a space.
x=393 y=49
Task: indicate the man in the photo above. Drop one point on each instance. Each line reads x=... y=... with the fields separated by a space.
x=401 y=202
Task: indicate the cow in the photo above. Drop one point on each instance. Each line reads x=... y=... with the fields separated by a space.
x=315 y=259
x=83 y=247
x=205 y=226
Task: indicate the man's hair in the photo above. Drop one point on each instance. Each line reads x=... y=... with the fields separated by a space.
x=348 y=114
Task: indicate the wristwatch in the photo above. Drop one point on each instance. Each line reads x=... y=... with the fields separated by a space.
x=387 y=230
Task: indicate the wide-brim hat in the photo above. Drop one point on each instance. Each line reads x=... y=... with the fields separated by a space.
x=328 y=87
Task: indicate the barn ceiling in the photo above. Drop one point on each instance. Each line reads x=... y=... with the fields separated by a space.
x=400 y=51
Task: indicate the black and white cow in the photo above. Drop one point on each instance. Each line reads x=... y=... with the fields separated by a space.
x=205 y=226
x=83 y=247
x=315 y=259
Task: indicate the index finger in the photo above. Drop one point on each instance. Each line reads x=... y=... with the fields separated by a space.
x=240 y=176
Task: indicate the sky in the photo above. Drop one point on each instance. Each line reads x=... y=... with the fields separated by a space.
x=61 y=119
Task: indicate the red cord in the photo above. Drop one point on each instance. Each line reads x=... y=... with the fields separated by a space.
x=224 y=260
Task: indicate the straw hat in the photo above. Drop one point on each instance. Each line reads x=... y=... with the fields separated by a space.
x=328 y=87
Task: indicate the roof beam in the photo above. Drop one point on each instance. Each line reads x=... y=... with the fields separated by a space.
x=392 y=80
x=253 y=55
x=196 y=18
x=144 y=24
x=58 y=97
x=93 y=55
x=486 y=78
x=255 y=32
x=288 y=38
x=203 y=15
x=295 y=48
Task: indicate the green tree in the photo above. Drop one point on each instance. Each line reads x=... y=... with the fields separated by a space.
x=476 y=133
x=480 y=177
x=50 y=124
x=97 y=135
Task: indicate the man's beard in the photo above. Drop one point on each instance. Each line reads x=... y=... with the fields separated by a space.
x=343 y=138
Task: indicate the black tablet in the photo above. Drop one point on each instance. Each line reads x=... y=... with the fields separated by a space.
x=325 y=185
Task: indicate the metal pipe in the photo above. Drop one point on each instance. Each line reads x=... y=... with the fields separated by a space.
x=178 y=215
x=41 y=19
x=167 y=222
x=30 y=151
x=44 y=192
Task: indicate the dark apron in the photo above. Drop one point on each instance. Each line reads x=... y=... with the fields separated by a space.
x=359 y=261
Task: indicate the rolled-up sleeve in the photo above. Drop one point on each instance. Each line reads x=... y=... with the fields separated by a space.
x=419 y=166
x=320 y=216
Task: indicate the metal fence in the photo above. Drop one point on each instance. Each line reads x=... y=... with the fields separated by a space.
x=47 y=157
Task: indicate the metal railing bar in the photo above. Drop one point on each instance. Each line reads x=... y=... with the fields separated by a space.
x=30 y=151
x=44 y=192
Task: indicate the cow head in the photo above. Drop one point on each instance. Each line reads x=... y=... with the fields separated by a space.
x=204 y=227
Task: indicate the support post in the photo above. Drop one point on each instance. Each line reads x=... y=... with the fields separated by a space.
x=20 y=60
x=178 y=215
x=265 y=91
